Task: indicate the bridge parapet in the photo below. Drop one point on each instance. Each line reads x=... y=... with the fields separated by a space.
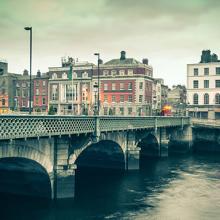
x=14 y=127
x=206 y=123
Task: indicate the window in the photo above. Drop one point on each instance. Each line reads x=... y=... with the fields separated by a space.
x=43 y=92
x=196 y=71
x=37 y=83
x=206 y=83
x=44 y=83
x=105 y=110
x=121 y=111
x=44 y=101
x=121 y=86
x=105 y=86
x=121 y=72
x=195 y=84
x=113 y=110
x=130 y=72
x=130 y=86
x=64 y=76
x=105 y=98
x=129 y=110
x=122 y=98
x=113 y=72
x=206 y=71
x=141 y=85
x=54 y=92
x=113 y=98
x=129 y=98
x=85 y=75
x=206 y=99
x=217 y=70
x=140 y=98
x=217 y=99
x=37 y=91
x=217 y=83
x=37 y=100
x=195 y=99
x=74 y=75
x=113 y=86
x=54 y=76
x=105 y=72
x=23 y=84
x=3 y=102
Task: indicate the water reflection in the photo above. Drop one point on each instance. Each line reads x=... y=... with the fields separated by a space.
x=172 y=188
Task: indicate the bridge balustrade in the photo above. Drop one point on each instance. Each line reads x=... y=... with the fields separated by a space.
x=14 y=127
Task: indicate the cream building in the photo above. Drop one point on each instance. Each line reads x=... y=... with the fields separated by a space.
x=203 y=89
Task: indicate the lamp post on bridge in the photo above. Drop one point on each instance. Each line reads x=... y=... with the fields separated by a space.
x=98 y=86
x=30 y=29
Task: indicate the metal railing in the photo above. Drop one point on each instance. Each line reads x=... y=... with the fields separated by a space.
x=215 y=123
x=14 y=126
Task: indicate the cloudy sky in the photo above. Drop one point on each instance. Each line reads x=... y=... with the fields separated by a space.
x=169 y=33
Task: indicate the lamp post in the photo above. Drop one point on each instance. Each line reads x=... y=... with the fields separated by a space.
x=98 y=100
x=30 y=29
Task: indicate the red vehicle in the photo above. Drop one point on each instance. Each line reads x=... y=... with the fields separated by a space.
x=166 y=110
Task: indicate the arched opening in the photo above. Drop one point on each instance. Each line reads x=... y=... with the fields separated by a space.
x=104 y=155
x=98 y=166
x=149 y=147
x=23 y=177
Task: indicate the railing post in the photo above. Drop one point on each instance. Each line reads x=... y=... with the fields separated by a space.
x=182 y=123
x=97 y=128
x=155 y=124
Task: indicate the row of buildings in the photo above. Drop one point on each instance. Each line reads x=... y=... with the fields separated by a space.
x=127 y=87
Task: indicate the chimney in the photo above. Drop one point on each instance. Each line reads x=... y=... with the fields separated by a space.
x=38 y=73
x=25 y=73
x=123 y=55
x=145 y=61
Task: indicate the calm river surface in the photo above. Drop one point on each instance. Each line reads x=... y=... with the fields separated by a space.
x=170 y=188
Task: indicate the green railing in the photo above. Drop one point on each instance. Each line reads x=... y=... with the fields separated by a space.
x=14 y=126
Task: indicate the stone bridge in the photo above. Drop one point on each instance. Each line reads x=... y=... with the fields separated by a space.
x=56 y=145
x=206 y=135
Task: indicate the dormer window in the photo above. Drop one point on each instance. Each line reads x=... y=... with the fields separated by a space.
x=74 y=75
x=121 y=72
x=64 y=76
x=54 y=76
x=130 y=72
x=85 y=75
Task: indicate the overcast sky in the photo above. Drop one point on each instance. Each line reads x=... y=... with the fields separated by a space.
x=170 y=33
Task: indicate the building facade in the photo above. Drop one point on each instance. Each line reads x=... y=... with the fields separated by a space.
x=40 y=93
x=125 y=87
x=177 y=98
x=70 y=88
x=7 y=91
x=203 y=87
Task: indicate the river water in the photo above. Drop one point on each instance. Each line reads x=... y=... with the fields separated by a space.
x=170 y=188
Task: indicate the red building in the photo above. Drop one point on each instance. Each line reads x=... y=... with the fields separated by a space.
x=125 y=86
x=40 y=93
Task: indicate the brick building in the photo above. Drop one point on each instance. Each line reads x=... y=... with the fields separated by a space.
x=40 y=92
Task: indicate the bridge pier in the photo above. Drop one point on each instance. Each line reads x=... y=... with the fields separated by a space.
x=132 y=153
x=163 y=143
x=181 y=140
x=63 y=178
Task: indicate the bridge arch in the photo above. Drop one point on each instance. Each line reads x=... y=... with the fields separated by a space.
x=24 y=151
x=25 y=177
x=149 y=146
x=106 y=154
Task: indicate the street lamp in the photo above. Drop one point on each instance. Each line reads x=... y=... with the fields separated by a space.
x=30 y=29
x=98 y=55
